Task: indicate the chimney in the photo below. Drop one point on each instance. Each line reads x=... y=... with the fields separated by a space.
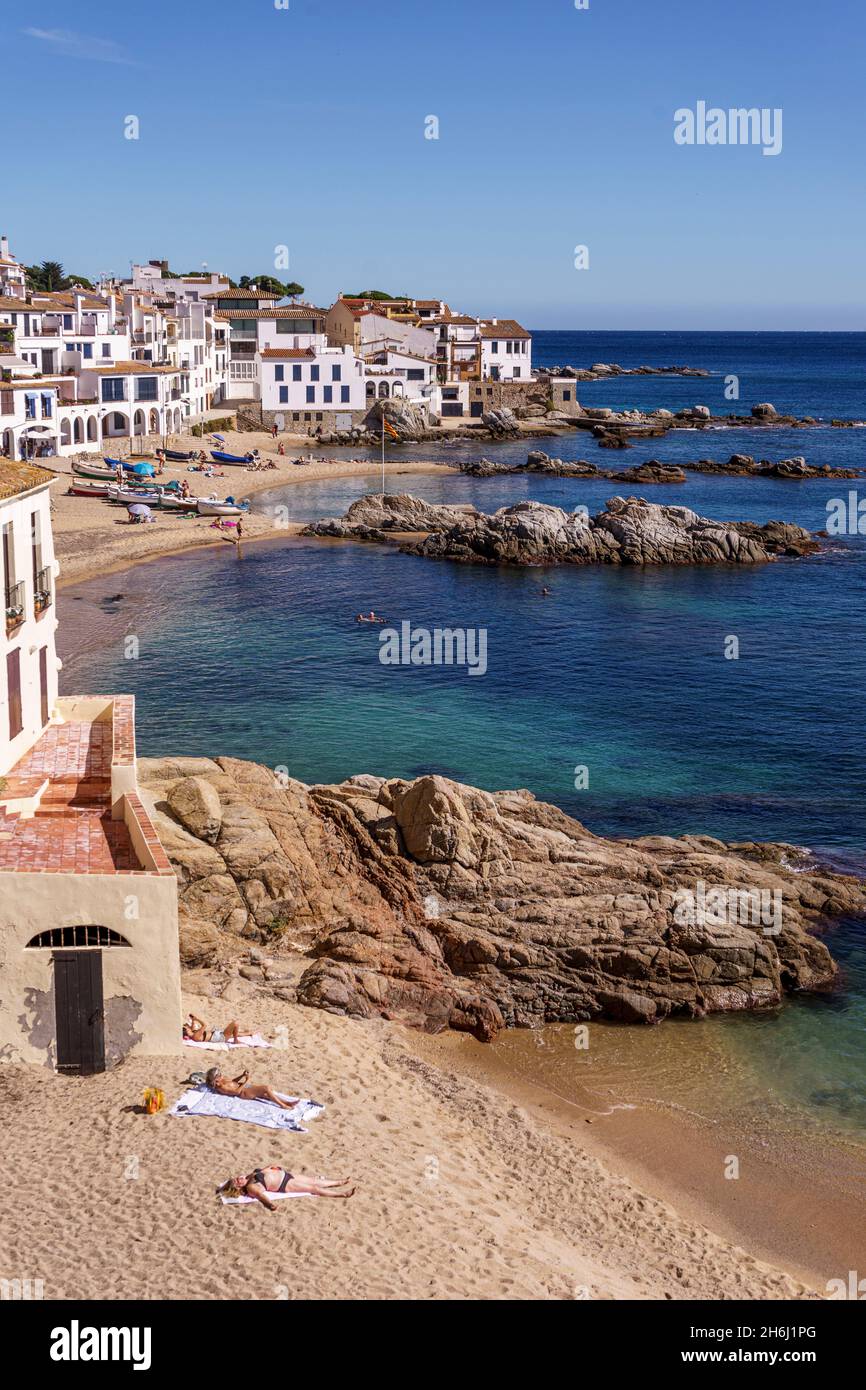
x=4 y=247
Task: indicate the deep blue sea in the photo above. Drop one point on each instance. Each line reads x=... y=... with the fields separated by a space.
x=620 y=671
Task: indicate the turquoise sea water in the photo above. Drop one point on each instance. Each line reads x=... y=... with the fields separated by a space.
x=620 y=671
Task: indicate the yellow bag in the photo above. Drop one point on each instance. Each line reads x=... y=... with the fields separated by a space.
x=154 y=1100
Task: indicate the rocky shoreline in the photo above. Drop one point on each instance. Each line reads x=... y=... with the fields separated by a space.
x=631 y=531
x=444 y=906
x=654 y=471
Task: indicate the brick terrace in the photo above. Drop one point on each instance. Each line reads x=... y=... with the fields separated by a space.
x=72 y=832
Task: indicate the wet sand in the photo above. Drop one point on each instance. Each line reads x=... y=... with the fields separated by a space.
x=798 y=1202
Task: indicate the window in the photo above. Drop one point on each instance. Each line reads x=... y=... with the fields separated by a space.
x=88 y=349
x=284 y=395
x=146 y=389
x=67 y=320
x=77 y=936
x=70 y=347
x=296 y=415
x=314 y=373
x=566 y=395
x=307 y=326
x=336 y=373
x=508 y=347
x=296 y=373
x=415 y=374
x=344 y=394
x=494 y=347
x=279 y=373
x=106 y=349
x=328 y=394
x=30 y=407
x=113 y=389
x=47 y=406
x=311 y=394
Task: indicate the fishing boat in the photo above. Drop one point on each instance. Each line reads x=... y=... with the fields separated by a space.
x=138 y=466
x=230 y=458
x=82 y=489
x=173 y=501
x=94 y=470
x=121 y=492
x=215 y=506
x=179 y=455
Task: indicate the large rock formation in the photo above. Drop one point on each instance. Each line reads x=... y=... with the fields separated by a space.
x=631 y=531
x=446 y=906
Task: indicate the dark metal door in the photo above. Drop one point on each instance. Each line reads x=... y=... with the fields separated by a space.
x=78 y=1011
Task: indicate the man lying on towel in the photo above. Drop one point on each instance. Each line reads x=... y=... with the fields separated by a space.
x=247 y=1090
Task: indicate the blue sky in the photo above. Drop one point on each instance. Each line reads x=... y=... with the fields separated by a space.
x=305 y=127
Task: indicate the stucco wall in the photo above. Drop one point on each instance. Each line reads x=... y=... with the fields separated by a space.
x=141 y=983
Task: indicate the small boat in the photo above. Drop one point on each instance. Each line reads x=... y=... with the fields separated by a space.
x=172 y=501
x=230 y=458
x=121 y=493
x=80 y=489
x=138 y=466
x=215 y=506
x=179 y=455
x=94 y=470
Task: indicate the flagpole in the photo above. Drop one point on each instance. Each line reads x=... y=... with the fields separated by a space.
x=382 y=408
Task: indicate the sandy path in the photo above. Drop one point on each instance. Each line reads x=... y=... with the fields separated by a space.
x=461 y=1193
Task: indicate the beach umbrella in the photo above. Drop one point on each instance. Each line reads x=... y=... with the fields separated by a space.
x=138 y=509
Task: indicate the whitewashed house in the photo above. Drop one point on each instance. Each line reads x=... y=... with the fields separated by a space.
x=88 y=899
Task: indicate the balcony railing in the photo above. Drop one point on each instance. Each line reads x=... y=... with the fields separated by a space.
x=14 y=606
x=42 y=596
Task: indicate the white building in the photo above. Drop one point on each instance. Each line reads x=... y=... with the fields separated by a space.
x=88 y=899
x=13 y=277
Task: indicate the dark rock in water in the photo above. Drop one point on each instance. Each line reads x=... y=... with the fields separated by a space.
x=764 y=411
x=611 y=439
x=445 y=906
x=652 y=472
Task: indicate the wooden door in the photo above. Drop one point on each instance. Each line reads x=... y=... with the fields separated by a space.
x=13 y=686
x=78 y=1011
x=43 y=684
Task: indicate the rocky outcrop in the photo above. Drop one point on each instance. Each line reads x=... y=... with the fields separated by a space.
x=445 y=906
x=631 y=531
x=743 y=465
x=371 y=517
x=652 y=472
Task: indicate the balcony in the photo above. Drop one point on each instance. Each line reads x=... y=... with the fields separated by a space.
x=14 y=607
x=42 y=595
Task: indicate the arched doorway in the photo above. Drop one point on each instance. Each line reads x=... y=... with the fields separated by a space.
x=78 y=431
x=115 y=425
x=371 y=390
x=138 y=425
x=92 y=432
x=65 y=433
x=154 y=422
x=383 y=390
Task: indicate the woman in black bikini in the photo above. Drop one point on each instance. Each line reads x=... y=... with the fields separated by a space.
x=262 y=1181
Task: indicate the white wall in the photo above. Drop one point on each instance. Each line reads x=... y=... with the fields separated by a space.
x=34 y=633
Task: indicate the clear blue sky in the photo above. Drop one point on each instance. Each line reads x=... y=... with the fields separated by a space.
x=305 y=126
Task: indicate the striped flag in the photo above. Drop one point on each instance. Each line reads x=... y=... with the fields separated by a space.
x=390 y=428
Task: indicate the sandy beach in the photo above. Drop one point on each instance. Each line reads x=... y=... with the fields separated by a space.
x=462 y=1191
x=92 y=536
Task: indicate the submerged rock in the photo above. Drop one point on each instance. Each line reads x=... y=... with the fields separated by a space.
x=445 y=906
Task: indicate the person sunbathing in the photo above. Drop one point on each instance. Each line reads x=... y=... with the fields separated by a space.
x=261 y=1182
x=196 y=1031
x=246 y=1089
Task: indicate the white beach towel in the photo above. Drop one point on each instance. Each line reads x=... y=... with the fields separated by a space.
x=274 y=1196
x=201 y=1101
x=245 y=1040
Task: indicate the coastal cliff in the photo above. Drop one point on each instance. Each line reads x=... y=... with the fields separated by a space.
x=445 y=906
